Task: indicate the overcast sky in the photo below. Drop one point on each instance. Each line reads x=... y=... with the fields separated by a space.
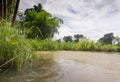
x=92 y=18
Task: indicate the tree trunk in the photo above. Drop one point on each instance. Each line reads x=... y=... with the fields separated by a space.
x=3 y=9
x=15 y=12
x=7 y=8
x=0 y=9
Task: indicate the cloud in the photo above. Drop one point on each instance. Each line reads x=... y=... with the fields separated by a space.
x=92 y=18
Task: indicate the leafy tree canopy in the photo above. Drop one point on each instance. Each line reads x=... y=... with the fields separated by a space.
x=78 y=37
x=107 y=38
x=67 y=38
x=117 y=40
x=38 y=23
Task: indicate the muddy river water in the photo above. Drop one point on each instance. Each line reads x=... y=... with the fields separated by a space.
x=69 y=66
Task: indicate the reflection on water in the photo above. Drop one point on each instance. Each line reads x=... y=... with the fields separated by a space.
x=43 y=69
x=69 y=67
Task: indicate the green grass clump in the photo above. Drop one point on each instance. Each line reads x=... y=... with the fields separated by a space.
x=83 y=45
x=44 y=45
x=15 y=50
x=109 y=48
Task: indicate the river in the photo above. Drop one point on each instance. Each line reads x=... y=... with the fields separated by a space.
x=69 y=66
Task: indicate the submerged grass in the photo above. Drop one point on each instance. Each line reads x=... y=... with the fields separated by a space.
x=83 y=45
x=15 y=50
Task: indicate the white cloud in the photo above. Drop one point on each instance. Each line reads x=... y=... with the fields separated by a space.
x=92 y=18
x=26 y=4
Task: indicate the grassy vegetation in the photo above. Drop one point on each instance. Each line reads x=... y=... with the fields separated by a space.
x=15 y=50
x=83 y=45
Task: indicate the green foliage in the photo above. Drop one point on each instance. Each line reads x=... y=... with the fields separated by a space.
x=14 y=48
x=109 y=48
x=107 y=39
x=44 y=45
x=83 y=45
x=117 y=41
x=87 y=45
x=78 y=37
x=38 y=23
x=67 y=38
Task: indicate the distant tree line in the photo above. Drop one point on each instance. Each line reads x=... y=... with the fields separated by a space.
x=108 y=38
x=77 y=38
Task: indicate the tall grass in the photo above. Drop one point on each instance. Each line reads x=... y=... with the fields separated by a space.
x=83 y=45
x=14 y=48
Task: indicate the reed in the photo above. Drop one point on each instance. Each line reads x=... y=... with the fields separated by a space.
x=83 y=45
x=15 y=50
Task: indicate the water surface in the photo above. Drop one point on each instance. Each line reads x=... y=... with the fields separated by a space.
x=69 y=66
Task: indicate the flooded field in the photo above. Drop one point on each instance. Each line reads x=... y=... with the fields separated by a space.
x=69 y=66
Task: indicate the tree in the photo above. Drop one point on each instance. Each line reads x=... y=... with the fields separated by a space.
x=78 y=37
x=67 y=38
x=59 y=40
x=117 y=41
x=38 y=23
x=107 y=38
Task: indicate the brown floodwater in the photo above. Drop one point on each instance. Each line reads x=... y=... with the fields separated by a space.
x=69 y=66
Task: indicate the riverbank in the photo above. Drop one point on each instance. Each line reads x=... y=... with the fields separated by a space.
x=83 y=45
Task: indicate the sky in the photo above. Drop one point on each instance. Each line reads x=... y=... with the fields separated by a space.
x=92 y=18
